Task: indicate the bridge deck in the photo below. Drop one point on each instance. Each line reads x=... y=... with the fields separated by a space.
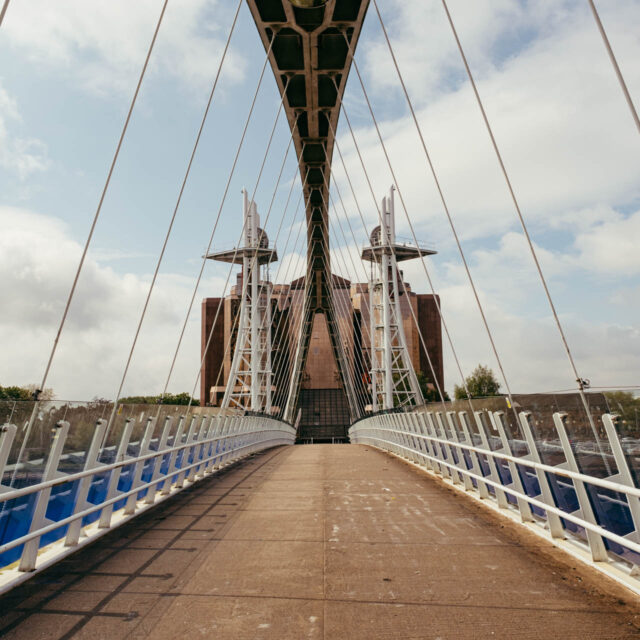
x=323 y=541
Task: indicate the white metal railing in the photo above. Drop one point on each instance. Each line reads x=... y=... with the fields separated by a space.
x=152 y=476
x=463 y=452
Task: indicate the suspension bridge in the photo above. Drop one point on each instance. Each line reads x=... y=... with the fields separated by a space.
x=326 y=486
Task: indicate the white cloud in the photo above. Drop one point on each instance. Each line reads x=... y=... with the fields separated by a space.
x=607 y=353
x=38 y=259
x=557 y=112
x=611 y=247
x=22 y=156
x=103 y=43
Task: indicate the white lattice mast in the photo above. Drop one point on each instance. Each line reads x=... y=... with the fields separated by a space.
x=249 y=385
x=393 y=378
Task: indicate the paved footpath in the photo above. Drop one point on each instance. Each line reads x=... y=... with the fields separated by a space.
x=323 y=541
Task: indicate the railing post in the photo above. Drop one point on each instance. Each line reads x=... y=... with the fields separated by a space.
x=84 y=484
x=453 y=472
x=7 y=435
x=409 y=419
x=476 y=467
x=462 y=460
x=523 y=506
x=624 y=475
x=437 y=447
x=501 y=497
x=420 y=442
x=114 y=478
x=150 y=498
x=217 y=434
x=38 y=520
x=130 y=505
x=173 y=459
x=219 y=444
x=411 y=441
x=596 y=543
x=427 y=444
x=203 y=450
x=180 y=478
x=197 y=450
x=553 y=519
x=400 y=436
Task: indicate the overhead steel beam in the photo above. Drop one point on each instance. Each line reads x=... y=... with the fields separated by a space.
x=311 y=59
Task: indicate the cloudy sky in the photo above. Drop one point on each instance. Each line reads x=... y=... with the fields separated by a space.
x=67 y=73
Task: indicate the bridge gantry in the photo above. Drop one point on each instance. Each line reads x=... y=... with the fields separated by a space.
x=310 y=47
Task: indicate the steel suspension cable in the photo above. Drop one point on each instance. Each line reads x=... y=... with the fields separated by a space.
x=280 y=394
x=371 y=339
x=236 y=249
x=217 y=220
x=525 y=230
x=413 y=315
x=237 y=316
x=236 y=319
x=347 y=310
x=403 y=284
x=5 y=6
x=424 y=266
x=406 y=213
x=173 y=218
x=364 y=227
x=102 y=196
x=90 y=235
x=335 y=301
x=614 y=62
x=280 y=364
x=445 y=206
x=339 y=251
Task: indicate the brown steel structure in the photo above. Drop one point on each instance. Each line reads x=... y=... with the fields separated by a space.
x=310 y=42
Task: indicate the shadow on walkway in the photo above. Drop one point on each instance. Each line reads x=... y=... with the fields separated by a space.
x=322 y=541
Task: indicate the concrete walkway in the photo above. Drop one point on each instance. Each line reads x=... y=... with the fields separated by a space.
x=324 y=541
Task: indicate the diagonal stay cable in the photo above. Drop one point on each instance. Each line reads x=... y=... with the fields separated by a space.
x=441 y=195
x=5 y=6
x=404 y=288
x=237 y=315
x=368 y=303
x=215 y=226
x=173 y=217
x=344 y=310
x=614 y=62
x=236 y=249
x=339 y=253
x=525 y=230
x=406 y=213
x=277 y=328
x=89 y=237
x=102 y=197
x=424 y=266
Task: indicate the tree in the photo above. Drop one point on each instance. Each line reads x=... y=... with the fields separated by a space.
x=14 y=393
x=45 y=394
x=25 y=393
x=627 y=406
x=481 y=383
x=169 y=398
x=429 y=390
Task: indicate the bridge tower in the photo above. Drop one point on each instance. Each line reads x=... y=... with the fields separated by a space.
x=249 y=384
x=393 y=378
